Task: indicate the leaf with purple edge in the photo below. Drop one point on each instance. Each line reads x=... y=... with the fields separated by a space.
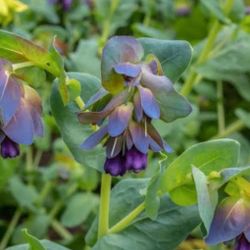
x=119 y=119
x=230 y=220
x=172 y=104
x=119 y=49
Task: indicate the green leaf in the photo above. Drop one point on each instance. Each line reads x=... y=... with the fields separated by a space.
x=118 y=12
x=79 y=208
x=171 y=226
x=72 y=131
x=34 y=243
x=174 y=56
x=90 y=63
x=216 y=10
x=48 y=245
x=207 y=198
x=244 y=116
x=209 y=156
x=25 y=195
x=152 y=199
x=16 y=48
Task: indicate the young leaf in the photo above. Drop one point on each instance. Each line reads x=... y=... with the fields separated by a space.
x=209 y=156
x=18 y=49
x=72 y=131
x=34 y=243
x=207 y=199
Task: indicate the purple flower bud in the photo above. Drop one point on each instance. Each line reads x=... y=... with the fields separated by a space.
x=9 y=149
x=242 y=243
x=135 y=160
x=115 y=166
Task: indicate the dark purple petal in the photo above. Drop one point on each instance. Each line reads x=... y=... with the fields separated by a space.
x=154 y=64
x=96 y=97
x=10 y=96
x=242 y=243
x=114 y=146
x=119 y=118
x=115 y=166
x=128 y=69
x=230 y=220
x=139 y=137
x=9 y=149
x=135 y=160
x=149 y=103
x=96 y=117
x=138 y=107
x=95 y=138
x=20 y=128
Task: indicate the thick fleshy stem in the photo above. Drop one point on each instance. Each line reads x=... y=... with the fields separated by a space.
x=103 y=226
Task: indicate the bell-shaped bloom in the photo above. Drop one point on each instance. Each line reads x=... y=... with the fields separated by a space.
x=231 y=221
x=137 y=92
x=20 y=113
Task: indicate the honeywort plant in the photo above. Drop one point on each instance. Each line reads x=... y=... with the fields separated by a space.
x=111 y=125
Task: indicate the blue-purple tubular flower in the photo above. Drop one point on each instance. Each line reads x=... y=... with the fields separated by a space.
x=242 y=243
x=20 y=112
x=65 y=4
x=126 y=120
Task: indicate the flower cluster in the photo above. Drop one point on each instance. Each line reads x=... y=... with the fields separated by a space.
x=20 y=112
x=126 y=120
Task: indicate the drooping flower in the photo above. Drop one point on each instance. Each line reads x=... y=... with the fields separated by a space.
x=20 y=112
x=232 y=219
x=126 y=119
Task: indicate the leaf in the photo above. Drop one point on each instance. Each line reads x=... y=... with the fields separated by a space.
x=78 y=209
x=207 y=199
x=216 y=10
x=244 y=116
x=25 y=195
x=72 y=131
x=209 y=156
x=171 y=226
x=152 y=199
x=34 y=243
x=19 y=49
x=48 y=245
x=118 y=11
x=90 y=63
x=174 y=56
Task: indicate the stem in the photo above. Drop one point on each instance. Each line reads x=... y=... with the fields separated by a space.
x=216 y=27
x=220 y=108
x=234 y=127
x=61 y=230
x=80 y=103
x=29 y=164
x=18 y=66
x=125 y=222
x=103 y=226
x=44 y=193
x=10 y=229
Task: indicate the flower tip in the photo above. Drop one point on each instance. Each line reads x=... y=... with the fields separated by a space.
x=9 y=149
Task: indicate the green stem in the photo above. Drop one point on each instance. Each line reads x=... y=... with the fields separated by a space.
x=125 y=222
x=216 y=27
x=10 y=229
x=220 y=108
x=29 y=164
x=234 y=127
x=61 y=230
x=103 y=226
x=44 y=193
